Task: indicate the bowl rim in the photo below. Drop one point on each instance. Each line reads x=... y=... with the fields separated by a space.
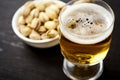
x=17 y=32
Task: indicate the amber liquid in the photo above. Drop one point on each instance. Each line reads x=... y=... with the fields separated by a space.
x=82 y=53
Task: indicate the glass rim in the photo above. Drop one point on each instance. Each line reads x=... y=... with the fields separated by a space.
x=108 y=6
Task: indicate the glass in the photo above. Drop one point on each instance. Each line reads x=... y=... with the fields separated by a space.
x=85 y=35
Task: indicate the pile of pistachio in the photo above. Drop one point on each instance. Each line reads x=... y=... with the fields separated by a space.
x=39 y=20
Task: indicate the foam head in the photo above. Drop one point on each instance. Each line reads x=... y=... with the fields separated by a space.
x=81 y=22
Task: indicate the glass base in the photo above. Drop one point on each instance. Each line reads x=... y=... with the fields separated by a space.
x=82 y=72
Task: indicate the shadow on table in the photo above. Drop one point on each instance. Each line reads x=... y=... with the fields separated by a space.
x=48 y=55
x=47 y=60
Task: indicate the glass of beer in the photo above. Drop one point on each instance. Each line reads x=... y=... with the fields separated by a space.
x=85 y=36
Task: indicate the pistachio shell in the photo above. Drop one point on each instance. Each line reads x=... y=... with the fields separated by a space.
x=34 y=35
x=21 y=20
x=52 y=33
x=50 y=25
x=25 y=30
x=35 y=23
x=51 y=14
x=43 y=17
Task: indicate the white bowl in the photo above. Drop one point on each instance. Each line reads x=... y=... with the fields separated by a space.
x=34 y=43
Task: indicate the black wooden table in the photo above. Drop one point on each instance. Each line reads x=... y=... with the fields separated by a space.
x=19 y=61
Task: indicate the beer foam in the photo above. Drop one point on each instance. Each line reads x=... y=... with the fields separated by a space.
x=86 y=23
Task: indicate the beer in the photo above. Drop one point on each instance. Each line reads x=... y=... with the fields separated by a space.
x=85 y=33
x=82 y=53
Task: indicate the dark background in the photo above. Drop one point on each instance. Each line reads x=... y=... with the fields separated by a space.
x=21 y=62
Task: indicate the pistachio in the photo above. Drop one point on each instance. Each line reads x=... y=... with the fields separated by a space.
x=28 y=19
x=34 y=35
x=40 y=6
x=44 y=36
x=21 y=20
x=60 y=5
x=52 y=33
x=50 y=25
x=43 y=17
x=25 y=11
x=48 y=3
x=35 y=23
x=29 y=4
x=51 y=14
x=53 y=8
x=25 y=30
x=34 y=13
x=42 y=29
